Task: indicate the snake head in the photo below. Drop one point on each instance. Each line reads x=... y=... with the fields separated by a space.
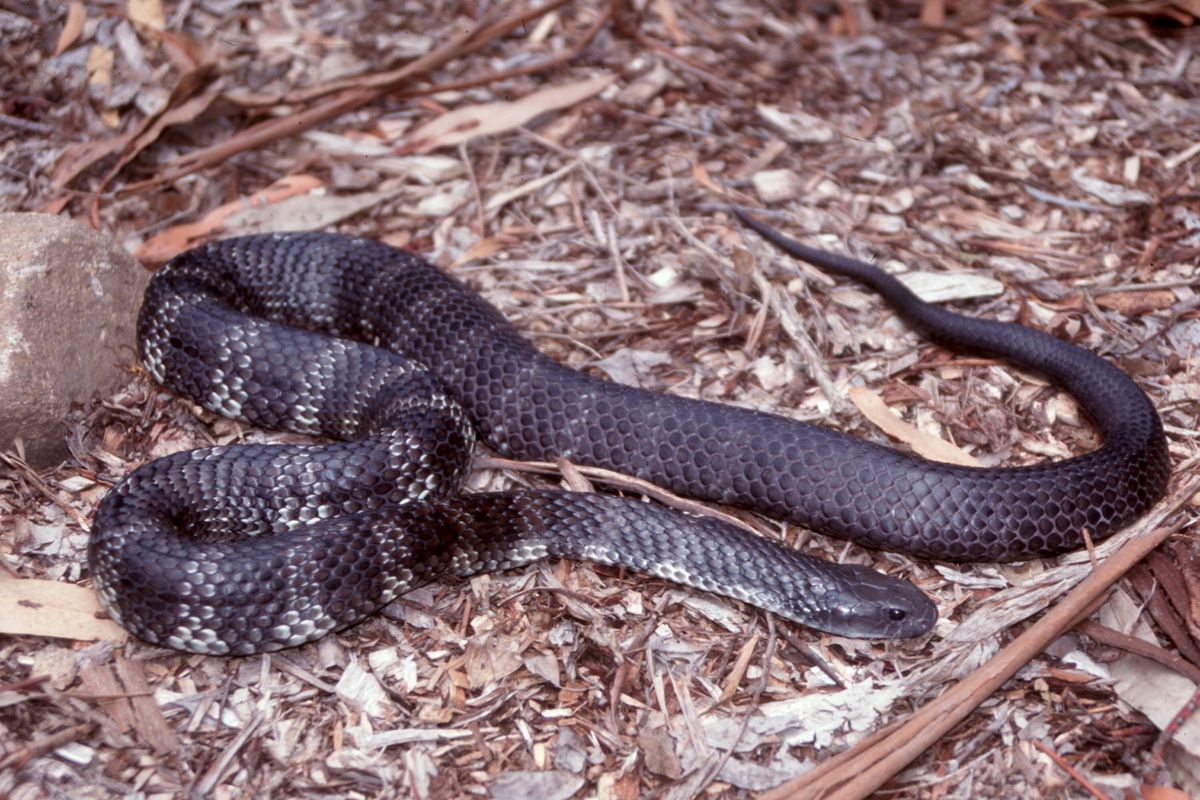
x=871 y=605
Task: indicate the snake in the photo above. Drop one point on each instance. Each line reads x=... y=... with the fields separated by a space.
x=400 y=369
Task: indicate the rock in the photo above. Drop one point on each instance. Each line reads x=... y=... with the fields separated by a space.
x=68 y=313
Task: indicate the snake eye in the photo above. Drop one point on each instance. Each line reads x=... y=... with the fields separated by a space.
x=896 y=614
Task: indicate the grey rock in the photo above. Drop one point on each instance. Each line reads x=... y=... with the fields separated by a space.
x=68 y=312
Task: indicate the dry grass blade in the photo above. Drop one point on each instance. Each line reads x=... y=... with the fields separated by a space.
x=487 y=119
x=871 y=764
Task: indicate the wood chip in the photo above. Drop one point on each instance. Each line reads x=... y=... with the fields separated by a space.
x=56 y=609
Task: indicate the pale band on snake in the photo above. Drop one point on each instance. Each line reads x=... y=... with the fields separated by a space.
x=252 y=548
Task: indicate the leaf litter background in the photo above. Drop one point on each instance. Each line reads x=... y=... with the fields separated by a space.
x=1032 y=161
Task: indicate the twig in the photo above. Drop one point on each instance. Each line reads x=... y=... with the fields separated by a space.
x=209 y=780
x=28 y=472
x=1065 y=202
x=761 y=687
x=26 y=125
x=1155 y=762
x=621 y=482
x=24 y=684
x=718 y=83
x=814 y=658
x=480 y=217
x=614 y=247
x=1066 y=767
x=19 y=758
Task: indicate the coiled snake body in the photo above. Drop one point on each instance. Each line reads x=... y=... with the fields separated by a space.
x=258 y=547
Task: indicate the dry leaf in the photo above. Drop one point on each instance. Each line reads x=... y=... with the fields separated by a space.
x=100 y=65
x=1151 y=688
x=658 y=751
x=490 y=118
x=700 y=174
x=396 y=736
x=79 y=156
x=638 y=94
x=1070 y=675
x=54 y=608
x=670 y=21
x=551 y=784
x=484 y=248
x=76 y=17
x=175 y=240
x=491 y=658
x=632 y=367
x=147 y=14
x=923 y=444
x=188 y=53
x=305 y=212
x=185 y=104
x=817 y=719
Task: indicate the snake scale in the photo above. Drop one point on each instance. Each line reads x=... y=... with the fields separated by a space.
x=253 y=548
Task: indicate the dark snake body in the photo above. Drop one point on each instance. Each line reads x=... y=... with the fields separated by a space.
x=305 y=332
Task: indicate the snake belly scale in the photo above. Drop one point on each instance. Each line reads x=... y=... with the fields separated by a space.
x=253 y=548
